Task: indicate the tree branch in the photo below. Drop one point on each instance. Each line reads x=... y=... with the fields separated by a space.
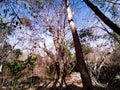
x=105 y=19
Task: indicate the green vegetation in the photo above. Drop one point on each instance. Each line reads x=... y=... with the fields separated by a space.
x=16 y=67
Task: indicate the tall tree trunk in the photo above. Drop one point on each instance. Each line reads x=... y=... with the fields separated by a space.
x=86 y=80
x=105 y=19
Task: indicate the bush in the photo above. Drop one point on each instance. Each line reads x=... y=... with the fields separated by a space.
x=16 y=67
x=106 y=73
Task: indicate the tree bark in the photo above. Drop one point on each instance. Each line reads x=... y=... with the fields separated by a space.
x=86 y=80
x=105 y=19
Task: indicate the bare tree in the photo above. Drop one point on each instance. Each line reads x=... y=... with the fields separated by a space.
x=87 y=84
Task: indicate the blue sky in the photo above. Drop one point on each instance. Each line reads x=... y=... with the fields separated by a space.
x=82 y=15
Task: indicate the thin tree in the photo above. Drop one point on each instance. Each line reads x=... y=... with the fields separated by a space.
x=81 y=66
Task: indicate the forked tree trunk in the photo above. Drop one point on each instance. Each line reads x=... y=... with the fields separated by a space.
x=105 y=19
x=81 y=66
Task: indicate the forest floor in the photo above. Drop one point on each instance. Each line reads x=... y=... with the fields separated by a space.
x=73 y=83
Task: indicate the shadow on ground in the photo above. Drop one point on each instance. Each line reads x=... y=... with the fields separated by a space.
x=74 y=87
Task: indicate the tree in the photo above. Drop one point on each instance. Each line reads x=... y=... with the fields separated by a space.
x=52 y=24
x=55 y=26
x=87 y=84
x=105 y=19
